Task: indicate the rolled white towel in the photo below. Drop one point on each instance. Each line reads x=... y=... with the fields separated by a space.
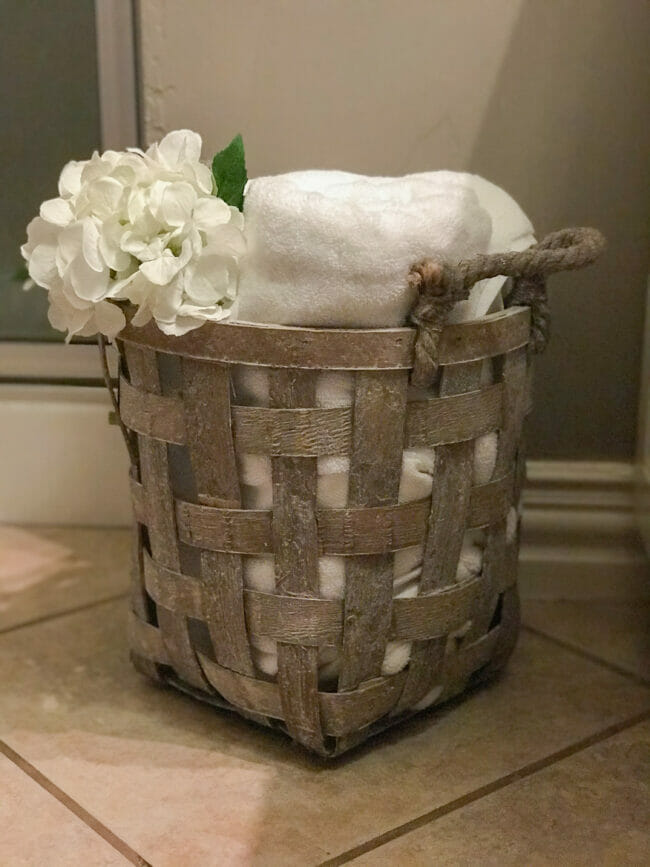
x=334 y=248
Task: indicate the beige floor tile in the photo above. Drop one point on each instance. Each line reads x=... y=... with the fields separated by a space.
x=182 y=783
x=590 y=809
x=38 y=830
x=46 y=571
x=618 y=632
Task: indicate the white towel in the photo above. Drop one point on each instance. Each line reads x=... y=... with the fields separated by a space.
x=334 y=249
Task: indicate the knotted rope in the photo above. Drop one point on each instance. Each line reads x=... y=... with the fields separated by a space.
x=441 y=285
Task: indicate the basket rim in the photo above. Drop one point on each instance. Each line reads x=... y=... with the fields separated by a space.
x=259 y=344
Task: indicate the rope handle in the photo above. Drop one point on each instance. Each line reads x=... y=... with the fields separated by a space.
x=440 y=285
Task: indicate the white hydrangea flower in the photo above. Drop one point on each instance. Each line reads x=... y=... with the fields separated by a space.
x=143 y=227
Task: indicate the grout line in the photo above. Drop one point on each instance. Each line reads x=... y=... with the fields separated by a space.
x=44 y=618
x=587 y=654
x=74 y=807
x=489 y=789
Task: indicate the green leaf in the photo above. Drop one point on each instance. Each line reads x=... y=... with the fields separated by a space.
x=229 y=172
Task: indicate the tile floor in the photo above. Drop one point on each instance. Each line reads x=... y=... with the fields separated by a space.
x=549 y=764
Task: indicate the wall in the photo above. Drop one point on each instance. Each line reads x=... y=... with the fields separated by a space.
x=546 y=97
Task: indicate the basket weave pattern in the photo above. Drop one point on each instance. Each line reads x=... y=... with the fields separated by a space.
x=194 y=618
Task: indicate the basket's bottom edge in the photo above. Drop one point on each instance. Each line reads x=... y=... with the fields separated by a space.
x=336 y=747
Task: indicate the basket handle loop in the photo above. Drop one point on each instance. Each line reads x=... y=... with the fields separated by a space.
x=440 y=285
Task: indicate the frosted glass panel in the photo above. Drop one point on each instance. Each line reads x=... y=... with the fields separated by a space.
x=49 y=113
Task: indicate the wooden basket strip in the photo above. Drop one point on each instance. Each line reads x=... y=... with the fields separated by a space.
x=141 y=603
x=295 y=548
x=375 y=471
x=138 y=504
x=317 y=622
x=161 y=522
x=447 y=523
x=206 y=394
x=490 y=336
x=508 y=632
x=146 y=641
x=514 y=374
x=153 y=415
x=467 y=661
x=345 y=532
x=333 y=348
x=453 y=418
x=278 y=346
x=316 y=432
x=342 y=713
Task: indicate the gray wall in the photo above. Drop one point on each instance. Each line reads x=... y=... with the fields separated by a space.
x=548 y=98
x=49 y=114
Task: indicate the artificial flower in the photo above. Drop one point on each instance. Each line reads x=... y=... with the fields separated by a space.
x=143 y=227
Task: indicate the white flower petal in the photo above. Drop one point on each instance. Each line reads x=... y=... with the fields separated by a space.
x=141 y=316
x=236 y=218
x=179 y=146
x=69 y=294
x=70 y=246
x=70 y=179
x=144 y=250
x=104 y=196
x=208 y=281
x=203 y=177
x=186 y=253
x=42 y=265
x=119 y=287
x=90 y=245
x=39 y=232
x=161 y=270
x=172 y=203
x=88 y=284
x=189 y=318
x=57 y=211
x=109 y=246
x=65 y=317
x=109 y=319
x=209 y=213
x=166 y=301
x=227 y=240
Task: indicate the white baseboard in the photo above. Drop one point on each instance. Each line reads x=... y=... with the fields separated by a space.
x=61 y=463
x=580 y=532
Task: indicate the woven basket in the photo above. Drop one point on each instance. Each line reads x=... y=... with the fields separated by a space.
x=193 y=618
